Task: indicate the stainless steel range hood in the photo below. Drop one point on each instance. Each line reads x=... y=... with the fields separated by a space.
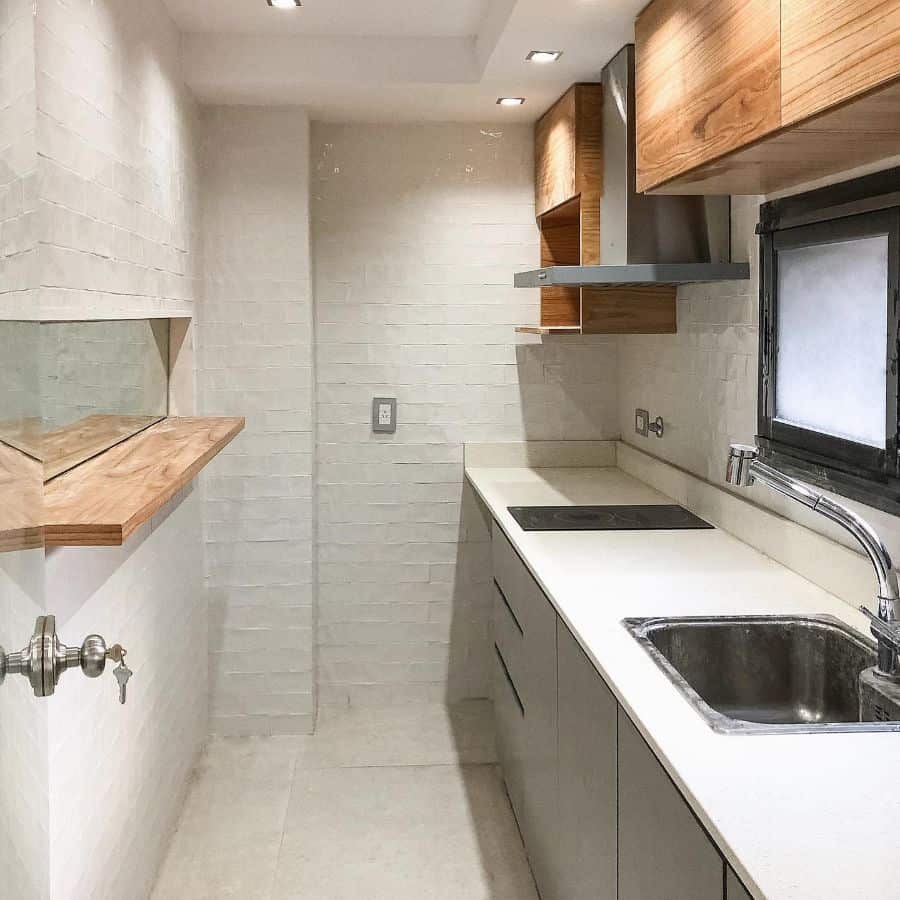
x=645 y=239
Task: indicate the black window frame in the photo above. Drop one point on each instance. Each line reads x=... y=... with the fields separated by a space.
x=864 y=207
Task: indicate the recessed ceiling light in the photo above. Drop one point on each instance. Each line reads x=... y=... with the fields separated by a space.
x=510 y=101
x=544 y=56
x=284 y=4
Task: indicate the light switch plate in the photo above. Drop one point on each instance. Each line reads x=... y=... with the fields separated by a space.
x=384 y=415
x=642 y=422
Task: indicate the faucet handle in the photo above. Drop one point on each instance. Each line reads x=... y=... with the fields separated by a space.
x=884 y=631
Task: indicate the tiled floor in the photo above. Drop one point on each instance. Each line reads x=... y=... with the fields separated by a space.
x=403 y=803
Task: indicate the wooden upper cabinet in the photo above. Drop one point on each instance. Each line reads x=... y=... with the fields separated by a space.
x=707 y=82
x=835 y=50
x=568 y=148
x=756 y=96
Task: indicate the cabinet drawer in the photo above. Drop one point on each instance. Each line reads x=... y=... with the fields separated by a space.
x=533 y=671
x=508 y=633
x=510 y=721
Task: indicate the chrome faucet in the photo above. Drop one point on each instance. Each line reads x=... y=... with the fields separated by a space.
x=745 y=467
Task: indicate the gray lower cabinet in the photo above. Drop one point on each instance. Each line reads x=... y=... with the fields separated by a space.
x=587 y=776
x=599 y=815
x=664 y=853
x=526 y=664
x=734 y=888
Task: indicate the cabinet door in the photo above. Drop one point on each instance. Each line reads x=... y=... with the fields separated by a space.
x=833 y=50
x=734 y=889
x=664 y=853
x=534 y=677
x=707 y=82
x=587 y=776
x=554 y=154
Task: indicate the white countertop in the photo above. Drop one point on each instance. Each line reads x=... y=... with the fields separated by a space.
x=799 y=817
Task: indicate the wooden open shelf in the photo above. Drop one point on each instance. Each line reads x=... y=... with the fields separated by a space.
x=102 y=501
x=63 y=448
x=568 y=189
x=21 y=482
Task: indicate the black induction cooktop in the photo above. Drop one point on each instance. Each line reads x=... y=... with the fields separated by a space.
x=605 y=518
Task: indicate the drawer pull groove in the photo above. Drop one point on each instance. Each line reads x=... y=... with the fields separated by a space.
x=509 y=609
x=509 y=680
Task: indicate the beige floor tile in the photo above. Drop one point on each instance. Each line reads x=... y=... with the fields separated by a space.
x=427 y=734
x=229 y=833
x=375 y=806
x=432 y=833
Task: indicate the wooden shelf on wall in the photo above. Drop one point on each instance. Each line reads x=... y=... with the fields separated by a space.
x=21 y=482
x=104 y=500
x=568 y=189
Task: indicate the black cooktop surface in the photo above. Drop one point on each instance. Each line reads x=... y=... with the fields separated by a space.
x=605 y=518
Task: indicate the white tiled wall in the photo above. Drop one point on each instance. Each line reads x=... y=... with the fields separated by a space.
x=115 y=189
x=18 y=156
x=118 y=773
x=255 y=359
x=703 y=382
x=417 y=231
x=24 y=782
x=117 y=168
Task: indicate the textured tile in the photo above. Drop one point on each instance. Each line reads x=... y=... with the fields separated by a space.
x=393 y=833
x=226 y=844
x=255 y=358
x=432 y=734
x=415 y=232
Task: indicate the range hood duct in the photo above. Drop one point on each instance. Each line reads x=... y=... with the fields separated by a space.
x=645 y=239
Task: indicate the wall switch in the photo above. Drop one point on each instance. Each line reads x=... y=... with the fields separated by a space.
x=384 y=415
x=641 y=422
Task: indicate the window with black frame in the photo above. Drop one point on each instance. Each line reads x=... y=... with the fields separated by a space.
x=829 y=331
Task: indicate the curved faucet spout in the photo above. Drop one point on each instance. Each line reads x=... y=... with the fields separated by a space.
x=745 y=467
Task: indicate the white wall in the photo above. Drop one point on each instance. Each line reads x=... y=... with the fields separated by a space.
x=117 y=164
x=255 y=360
x=703 y=382
x=112 y=171
x=417 y=231
x=118 y=774
x=18 y=157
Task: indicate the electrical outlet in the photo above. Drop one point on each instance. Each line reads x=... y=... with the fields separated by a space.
x=384 y=415
x=641 y=422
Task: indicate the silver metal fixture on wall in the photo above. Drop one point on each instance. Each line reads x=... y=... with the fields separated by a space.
x=45 y=658
x=643 y=426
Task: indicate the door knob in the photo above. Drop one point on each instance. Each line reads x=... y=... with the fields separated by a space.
x=45 y=658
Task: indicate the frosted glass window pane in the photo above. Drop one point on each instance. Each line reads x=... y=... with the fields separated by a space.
x=832 y=333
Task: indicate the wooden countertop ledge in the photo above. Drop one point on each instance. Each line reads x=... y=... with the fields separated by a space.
x=102 y=501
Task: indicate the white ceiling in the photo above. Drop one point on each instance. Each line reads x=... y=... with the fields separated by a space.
x=398 y=60
x=354 y=18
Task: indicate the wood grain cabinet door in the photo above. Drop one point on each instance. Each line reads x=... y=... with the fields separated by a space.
x=707 y=82
x=834 y=50
x=664 y=853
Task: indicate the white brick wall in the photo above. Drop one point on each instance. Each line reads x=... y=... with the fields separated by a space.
x=124 y=769
x=24 y=783
x=113 y=169
x=255 y=359
x=18 y=156
x=117 y=170
x=703 y=382
x=417 y=231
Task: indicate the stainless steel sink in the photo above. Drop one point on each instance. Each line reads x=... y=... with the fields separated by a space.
x=764 y=674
